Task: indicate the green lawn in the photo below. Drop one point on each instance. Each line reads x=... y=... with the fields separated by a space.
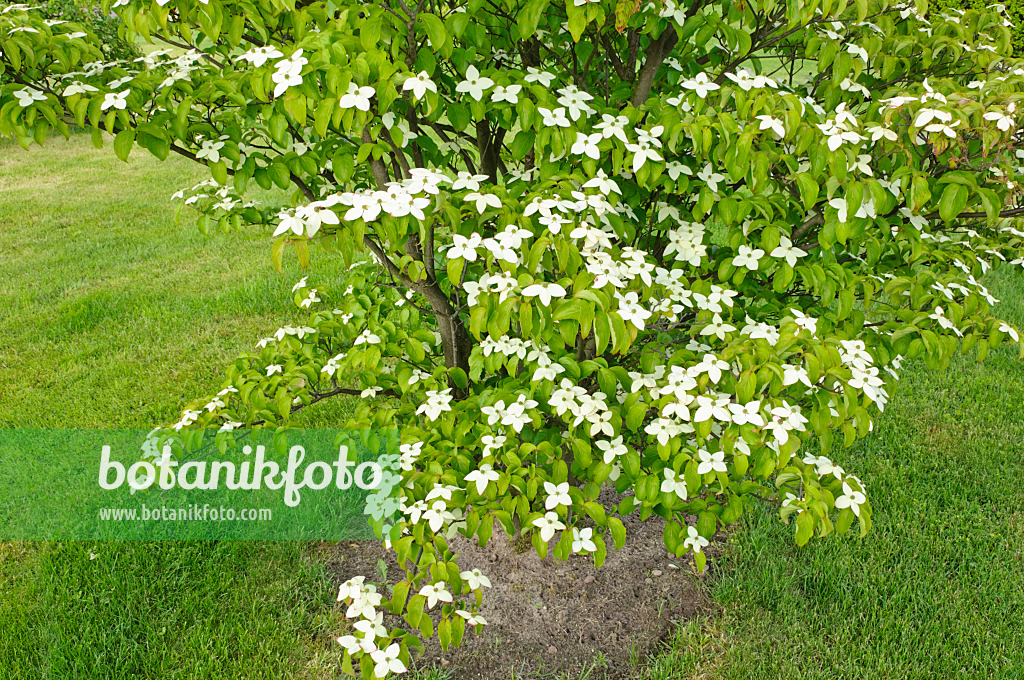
x=935 y=591
x=114 y=316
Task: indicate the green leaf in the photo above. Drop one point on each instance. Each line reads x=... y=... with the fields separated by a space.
x=529 y=16
x=804 y=527
x=123 y=143
x=953 y=201
x=808 y=189
x=435 y=30
x=618 y=532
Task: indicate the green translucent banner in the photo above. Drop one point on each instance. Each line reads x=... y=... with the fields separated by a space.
x=200 y=485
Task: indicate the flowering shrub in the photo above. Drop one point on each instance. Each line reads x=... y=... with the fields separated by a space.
x=676 y=249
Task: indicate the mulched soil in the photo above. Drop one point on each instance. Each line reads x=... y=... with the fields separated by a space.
x=549 y=618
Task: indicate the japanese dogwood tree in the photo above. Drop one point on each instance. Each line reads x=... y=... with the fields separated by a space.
x=677 y=249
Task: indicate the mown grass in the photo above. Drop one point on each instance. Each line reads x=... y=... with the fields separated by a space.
x=935 y=591
x=114 y=316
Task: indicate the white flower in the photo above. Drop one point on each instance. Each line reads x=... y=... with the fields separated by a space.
x=554 y=118
x=1009 y=330
x=701 y=84
x=210 y=150
x=475 y=579
x=115 y=100
x=748 y=413
x=76 y=87
x=879 y=132
x=274 y=368
x=717 y=327
x=289 y=72
x=357 y=97
x=548 y=525
x=557 y=495
x=465 y=247
x=366 y=337
x=787 y=251
x=28 y=96
x=612 y=449
x=673 y=484
x=840 y=205
x=587 y=145
x=583 y=541
x=437 y=403
x=538 y=76
x=508 y=94
x=435 y=592
x=710 y=177
x=602 y=183
x=851 y=499
x=1003 y=121
x=258 y=56
x=748 y=257
x=483 y=201
x=475 y=85
x=772 y=123
x=472 y=619
x=545 y=291
x=711 y=462
x=631 y=310
x=613 y=126
x=481 y=477
x=387 y=661
x=419 y=85
x=695 y=540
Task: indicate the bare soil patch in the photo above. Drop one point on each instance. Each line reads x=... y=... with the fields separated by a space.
x=556 y=619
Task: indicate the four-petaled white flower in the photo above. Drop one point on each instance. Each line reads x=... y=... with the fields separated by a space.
x=632 y=311
x=695 y=540
x=210 y=150
x=851 y=498
x=475 y=84
x=475 y=579
x=554 y=118
x=545 y=291
x=419 y=85
x=482 y=477
x=28 y=96
x=437 y=403
x=748 y=257
x=387 y=661
x=612 y=449
x=557 y=495
x=258 y=56
x=508 y=94
x=483 y=201
x=673 y=484
x=357 y=97
x=711 y=462
x=586 y=145
x=701 y=84
x=787 y=251
x=548 y=525
x=710 y=177
x=76 y=87
x=583 y=540
x=537 y=76
x=772 y=123
x=435 y=592
x=116 y=100
x=366 y=337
